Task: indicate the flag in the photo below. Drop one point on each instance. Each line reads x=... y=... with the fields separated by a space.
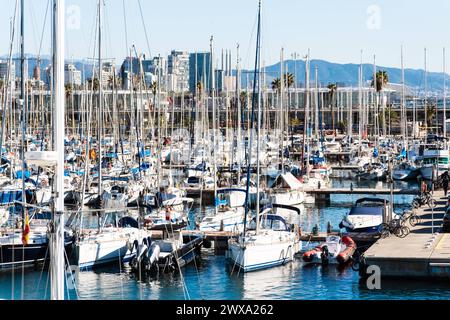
x=26 y=231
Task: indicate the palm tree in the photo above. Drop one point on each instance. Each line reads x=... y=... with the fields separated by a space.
x=68 y=89
x=382 y=80
x=378 y=83
x=333 y=88
x=154 y=88
x=430 y=114
x=243 y=99
x=289 y=79
x=276 y=84
x=200 y=87
x=94 y=84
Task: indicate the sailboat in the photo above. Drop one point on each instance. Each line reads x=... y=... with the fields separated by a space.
x=268 y=241
x=105 y=244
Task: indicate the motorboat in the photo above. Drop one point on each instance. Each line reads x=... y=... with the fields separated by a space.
x=367 y=215
x=335 y=250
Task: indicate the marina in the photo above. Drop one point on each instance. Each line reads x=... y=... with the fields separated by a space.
x=206 y=176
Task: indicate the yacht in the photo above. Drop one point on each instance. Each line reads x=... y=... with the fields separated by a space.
x=436 y=157
x=366 y=215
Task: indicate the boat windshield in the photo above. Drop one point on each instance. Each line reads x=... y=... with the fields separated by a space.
x=366 y=211
x=441 y=160
x=273 y=222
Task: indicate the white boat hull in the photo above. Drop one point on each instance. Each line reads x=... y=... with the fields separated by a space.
x=290 y=197
x=265 y=251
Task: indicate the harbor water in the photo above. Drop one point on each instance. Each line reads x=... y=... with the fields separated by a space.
x=211 y=278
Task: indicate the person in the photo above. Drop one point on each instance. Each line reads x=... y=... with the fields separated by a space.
x=445 y=179
x=424 y=187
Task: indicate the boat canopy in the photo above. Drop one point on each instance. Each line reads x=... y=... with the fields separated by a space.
x=274 y=222
x=286 y=181
x=270 y=222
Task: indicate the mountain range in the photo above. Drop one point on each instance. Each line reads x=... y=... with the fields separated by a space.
x=347 y=74
x=328 y=72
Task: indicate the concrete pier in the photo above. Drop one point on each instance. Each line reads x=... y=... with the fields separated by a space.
x=424 y=253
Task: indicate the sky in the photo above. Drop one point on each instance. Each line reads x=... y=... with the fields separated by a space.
x=333 y=30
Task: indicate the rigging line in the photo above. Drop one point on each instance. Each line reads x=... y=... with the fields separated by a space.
x=126 y=27
x=145 y=28
x=43 y=267
x=73 y=279
x=33 y=22
x=9 y=77
x=43 y=29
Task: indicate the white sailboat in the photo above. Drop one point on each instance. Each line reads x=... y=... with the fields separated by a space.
x=267 y=241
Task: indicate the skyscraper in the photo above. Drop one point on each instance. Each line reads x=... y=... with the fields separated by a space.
x=178 y=71
x=200 y=71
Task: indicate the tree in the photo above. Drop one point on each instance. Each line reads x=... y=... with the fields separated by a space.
x=431 y=114
x=391 y=115
x=94 y=84
x=342 y=126
x=243 y=98
x=289 y=79
x=68 y=88
x=382 y=80
x=333 y=88
x=154 y=87
x=276 y=84
x=200 y=87
x=378 y=83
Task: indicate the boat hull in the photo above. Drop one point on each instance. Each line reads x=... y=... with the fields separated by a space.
x=253 y=257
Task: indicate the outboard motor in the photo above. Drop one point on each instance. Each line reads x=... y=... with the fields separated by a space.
x=325 y=255
x=140 y=254
x=150 y=259
x=134 y=248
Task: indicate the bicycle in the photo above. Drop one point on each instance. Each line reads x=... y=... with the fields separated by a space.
x=396 y=227
x=424 y=198
x=411 y=217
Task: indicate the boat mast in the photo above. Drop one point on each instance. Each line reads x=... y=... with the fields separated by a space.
x=426 y=90
x=213 y=97
x=305 y=122
x=444 y=127
x=57 y=236
x=238 y=100
x=282 y=117
x=403 y=106
x=22 y=101
x=100 y=98
x=252 y=126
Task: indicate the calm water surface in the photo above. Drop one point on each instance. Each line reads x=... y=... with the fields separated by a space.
x=211 y=278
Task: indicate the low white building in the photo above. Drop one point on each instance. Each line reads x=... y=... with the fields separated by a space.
x=72 y=75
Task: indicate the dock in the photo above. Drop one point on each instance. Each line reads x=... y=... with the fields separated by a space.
x=344 y=167
x=218 y=239
x=424 y=253
x=323 y=195
x=368 y=191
